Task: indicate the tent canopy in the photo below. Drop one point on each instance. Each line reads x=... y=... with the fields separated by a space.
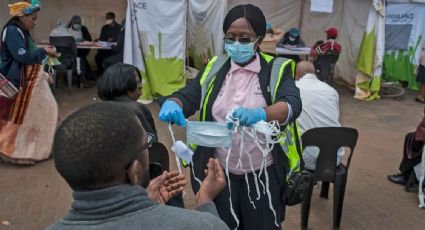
x=350 y=17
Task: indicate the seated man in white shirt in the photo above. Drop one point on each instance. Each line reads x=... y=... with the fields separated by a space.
x=320 y=108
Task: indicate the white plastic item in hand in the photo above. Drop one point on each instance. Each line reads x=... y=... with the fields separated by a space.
x=174 y=142
x=182 y=151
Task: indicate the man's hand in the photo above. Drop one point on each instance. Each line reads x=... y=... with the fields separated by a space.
x=213 y=183
x=166 y=186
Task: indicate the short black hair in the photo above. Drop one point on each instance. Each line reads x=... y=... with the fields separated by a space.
x=76 y=19
x=118 y=80
x=110 y=15
x=94 y=146
x=253 y=15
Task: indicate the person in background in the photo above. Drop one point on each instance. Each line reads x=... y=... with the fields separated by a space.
x=122 y=83
x=330 y=46
x=291 y=39
x=269 y=43
x=82 y=34
x=241 y=83
x=34 y=107
x=109 y=33
x=118 y=50
x=61 y=29
x=320 y=108
x=78 y=30
x=109 y=176
x=420 y=75
x=412 y=154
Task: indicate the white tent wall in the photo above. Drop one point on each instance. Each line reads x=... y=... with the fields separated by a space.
x=349 y=16
x=92 y=13
x=281 y=13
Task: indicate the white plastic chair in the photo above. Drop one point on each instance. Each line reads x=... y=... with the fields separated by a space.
x=420 y=175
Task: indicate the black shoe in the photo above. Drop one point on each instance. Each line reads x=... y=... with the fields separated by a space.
x=397 y=179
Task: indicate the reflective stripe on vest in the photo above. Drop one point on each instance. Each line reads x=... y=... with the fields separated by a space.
x=289 y=138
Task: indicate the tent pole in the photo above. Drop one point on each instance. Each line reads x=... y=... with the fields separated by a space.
x=301 y=15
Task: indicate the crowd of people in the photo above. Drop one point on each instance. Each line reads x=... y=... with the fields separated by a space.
x=109 y=171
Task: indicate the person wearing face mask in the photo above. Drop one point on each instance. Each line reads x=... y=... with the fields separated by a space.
x=20 y=63
x=292 y=39
x=109 y=33
x=109 y=176
x=82 y=34
x=242 y=80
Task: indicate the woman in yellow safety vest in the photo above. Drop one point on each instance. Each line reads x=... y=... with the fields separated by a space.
x=242 y=80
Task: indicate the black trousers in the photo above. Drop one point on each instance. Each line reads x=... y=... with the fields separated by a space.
x=100 y=57
x=249 y=218
x=415 y=148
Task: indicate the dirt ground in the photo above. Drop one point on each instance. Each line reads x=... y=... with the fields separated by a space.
x=32 y=197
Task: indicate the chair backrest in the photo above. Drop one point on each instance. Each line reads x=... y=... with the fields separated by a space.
x=325 y=65
x=67 y=47
x=158 y=159
x=329 y=140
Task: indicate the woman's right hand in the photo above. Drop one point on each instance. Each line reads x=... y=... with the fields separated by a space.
x=172 y=112
x=51 y=51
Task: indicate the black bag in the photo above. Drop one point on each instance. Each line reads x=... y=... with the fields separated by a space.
x=299 y=182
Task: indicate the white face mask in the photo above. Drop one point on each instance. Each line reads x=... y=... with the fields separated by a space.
x=208 y=134
x=109 y=21
x=292 y=39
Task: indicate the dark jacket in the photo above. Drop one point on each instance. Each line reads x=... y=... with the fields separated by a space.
x=285 y=41
x=86 y=34
x=110 y=32
x=18 y=50
x=191 y=96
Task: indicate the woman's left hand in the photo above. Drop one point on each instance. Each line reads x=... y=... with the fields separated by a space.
x=51 y=51
x=248 y=117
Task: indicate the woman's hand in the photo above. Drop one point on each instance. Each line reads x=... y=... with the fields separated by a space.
x=172 y=112
x=166 y=186
x=51 y=51
x=248 y=117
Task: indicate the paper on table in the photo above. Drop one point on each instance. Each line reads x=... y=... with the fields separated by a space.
x=325 y=6
x=300 y=49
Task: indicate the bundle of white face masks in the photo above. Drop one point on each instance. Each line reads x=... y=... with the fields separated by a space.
x=215 y=135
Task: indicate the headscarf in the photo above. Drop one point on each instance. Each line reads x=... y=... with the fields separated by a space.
x=253 y=15
x=22 y=8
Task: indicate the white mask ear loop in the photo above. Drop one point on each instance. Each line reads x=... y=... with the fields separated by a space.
x=174 y=142
x=241 y=151
x=230 y=190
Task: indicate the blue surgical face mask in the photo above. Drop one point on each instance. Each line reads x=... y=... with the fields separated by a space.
x=240 y=53
x=208 y=134
x=76 y=27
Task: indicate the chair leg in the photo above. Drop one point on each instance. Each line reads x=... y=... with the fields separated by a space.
x=305 y=206
x=339 y=192
x=325 y=189
x=55 y=81
x=69 y=80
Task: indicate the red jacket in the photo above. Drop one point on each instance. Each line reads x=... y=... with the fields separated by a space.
x=321 y=48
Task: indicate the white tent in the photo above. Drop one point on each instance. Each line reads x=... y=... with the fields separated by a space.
x=349 y=16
